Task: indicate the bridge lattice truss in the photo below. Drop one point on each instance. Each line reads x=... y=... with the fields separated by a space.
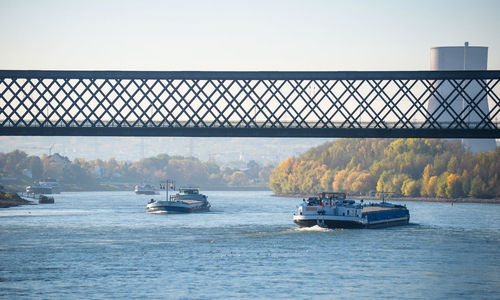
x=370 y=104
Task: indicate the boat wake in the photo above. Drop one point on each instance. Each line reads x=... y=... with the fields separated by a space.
x=315 y=228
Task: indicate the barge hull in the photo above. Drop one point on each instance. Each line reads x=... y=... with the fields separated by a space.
x=175 y=210
x=350 y=224
x=388 y=223
x=329 y=224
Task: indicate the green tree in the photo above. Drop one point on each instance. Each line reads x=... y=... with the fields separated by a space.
x=453 y=165
x=453 y=186
x=477 y=187
x=339 y=180
x=426 y=176
x=327 y=180
x=364 y=183
x=432 y=186
x=410 y=188
x=441 y=185
x=238 y=178
x=466 y=183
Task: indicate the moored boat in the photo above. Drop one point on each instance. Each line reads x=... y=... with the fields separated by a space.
x=39 y=189
x=333 y=210
x=50 y=182
x=188 y=200
x=145 y=189
x=42 y=199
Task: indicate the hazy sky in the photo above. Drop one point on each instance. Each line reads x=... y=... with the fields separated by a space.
x=229 y=35
x=241 y=35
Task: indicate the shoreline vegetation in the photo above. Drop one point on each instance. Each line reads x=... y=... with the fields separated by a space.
x=18 y=170
x=427 y=169
x=431 y=170
x=13 y=199
x=403 y=198
x=130 y=187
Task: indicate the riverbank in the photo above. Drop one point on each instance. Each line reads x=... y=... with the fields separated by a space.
x=422 y=199
x=130 y=187
x=430 y=199
x=12 y=199
x=110 y=187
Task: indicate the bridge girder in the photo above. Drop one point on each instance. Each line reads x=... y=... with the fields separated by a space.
x=445 y=104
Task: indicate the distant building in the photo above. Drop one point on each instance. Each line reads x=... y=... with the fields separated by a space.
x=458 y=58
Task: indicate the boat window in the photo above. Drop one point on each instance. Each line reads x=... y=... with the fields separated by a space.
x=313 y=201
x=189 y=191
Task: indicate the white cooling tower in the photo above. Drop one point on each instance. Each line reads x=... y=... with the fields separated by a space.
x=456 y=59
x=459 y=58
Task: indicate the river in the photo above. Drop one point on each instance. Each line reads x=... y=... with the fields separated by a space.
x=103 y=245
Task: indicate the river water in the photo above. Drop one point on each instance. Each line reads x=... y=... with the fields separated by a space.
x=102 y=245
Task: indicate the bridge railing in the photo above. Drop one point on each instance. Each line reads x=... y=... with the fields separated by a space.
x=413 y=103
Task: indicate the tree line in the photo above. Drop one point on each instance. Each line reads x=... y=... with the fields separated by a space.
x=408 y=167
x=91 y=173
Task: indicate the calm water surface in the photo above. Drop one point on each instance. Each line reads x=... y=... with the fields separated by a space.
x=103 y=245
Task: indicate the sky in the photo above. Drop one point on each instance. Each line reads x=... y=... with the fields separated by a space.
x=256 y=35
x=241 y=35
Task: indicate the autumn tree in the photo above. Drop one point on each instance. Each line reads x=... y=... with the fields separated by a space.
x=416 y=167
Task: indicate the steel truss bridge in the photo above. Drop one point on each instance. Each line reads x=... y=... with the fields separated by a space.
x=446 y=104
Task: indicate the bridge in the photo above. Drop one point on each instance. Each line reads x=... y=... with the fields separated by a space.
x=445 y=104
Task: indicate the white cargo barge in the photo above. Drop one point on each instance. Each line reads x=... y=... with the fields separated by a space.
x=333 y=210
x=188 y=200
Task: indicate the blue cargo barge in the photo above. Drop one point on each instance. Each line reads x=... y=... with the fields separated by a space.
x=333 y=210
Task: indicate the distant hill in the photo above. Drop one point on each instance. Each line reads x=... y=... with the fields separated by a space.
x=221 y=150
x=407 y=167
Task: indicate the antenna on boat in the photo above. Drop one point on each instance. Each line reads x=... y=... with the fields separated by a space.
x=166 y=185
x=382 y=193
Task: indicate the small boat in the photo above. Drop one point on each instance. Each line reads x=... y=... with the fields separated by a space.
x=50 y=182
x=188 y=200
x=39 y=189
x=145 y=189
x=42 y=199
x=333 y=210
